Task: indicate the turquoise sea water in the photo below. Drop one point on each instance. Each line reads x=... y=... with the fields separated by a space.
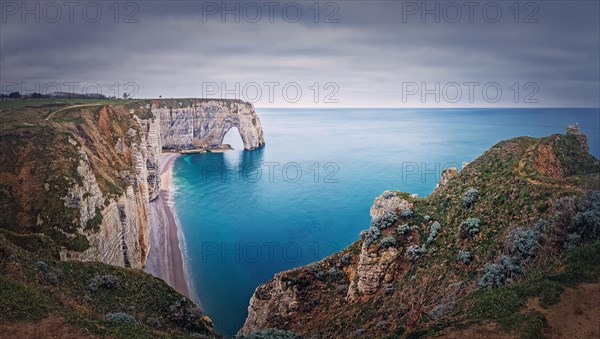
x=248 y=215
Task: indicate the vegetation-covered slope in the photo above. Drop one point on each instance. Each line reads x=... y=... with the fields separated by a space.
x=40 y=296
x=39 y=160
x=520 y=222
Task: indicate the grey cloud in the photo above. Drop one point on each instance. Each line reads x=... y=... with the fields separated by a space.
x=369 y=53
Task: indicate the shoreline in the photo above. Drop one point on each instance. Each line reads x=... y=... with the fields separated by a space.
x=166 y=256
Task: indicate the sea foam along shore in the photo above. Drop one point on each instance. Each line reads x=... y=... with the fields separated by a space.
x=166 y=256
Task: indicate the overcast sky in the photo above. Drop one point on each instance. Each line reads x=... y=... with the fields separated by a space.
x=339 y=54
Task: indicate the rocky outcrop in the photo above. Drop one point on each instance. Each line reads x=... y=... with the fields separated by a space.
x=204 y=123
x=447 y=174
x=582 y=139
x=271 y=302
x=390 y=202
x=372 y=270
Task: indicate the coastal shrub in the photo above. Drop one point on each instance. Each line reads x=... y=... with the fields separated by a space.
x=345 y=259
x=470 y=197
x=154 y=323
x=185 y=314
x=94 y=223
x=316 y=269
x=384 y=221
x=388 y=241
x=571 y=241
x=587 y=220
x=577 y=220
x=120 y=317
x=372 y=234
x=54 y=275
x=525 y=243
x=469 y=227
x=407 y=213
x=435 y=228
x=271 y=333
x=498 y=274
x=42 y=266
x=102 y=281
x=465 y=256
x=388 y=194
x=320 y=275
x=336 y=273
x=404 y=229
x=415 y=251
x=426 y=218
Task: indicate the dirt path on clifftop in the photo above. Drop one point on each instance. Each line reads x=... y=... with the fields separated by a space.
x=74 y=106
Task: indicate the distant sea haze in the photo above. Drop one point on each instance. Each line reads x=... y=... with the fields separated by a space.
x=248 y=215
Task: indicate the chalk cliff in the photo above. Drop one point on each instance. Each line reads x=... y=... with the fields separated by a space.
x=122 y=234
x=203 y=123
x=86 y=175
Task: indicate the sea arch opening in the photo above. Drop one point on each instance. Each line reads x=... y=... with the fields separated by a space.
x=233 y=137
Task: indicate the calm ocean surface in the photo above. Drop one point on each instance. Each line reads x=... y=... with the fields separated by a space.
x=248 y=215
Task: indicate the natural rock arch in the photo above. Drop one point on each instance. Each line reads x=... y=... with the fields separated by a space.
x=204 y=123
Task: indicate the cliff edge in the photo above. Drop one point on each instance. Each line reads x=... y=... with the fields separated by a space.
x=488 y=253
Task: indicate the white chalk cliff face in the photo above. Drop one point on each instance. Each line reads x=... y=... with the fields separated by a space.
x=122 y=236
x=204 y=123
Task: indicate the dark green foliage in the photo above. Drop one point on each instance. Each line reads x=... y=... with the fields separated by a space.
x=525 y=243
x=388 y=241
x=94 y=223
x=120 y=317
x=470 y=197
x=345 y=259
x=415 y=251
x=469 y=228
x=578 y=219
x=154 y=323
x=501 y=273
x=388 y=194
x=465 y=256
x=336 y=273
x=386 y=220
x=404 y=229
x=371 y=235
x=105 y=281
x=435 y=228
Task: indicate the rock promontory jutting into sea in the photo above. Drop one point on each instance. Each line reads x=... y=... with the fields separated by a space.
x=204 y=123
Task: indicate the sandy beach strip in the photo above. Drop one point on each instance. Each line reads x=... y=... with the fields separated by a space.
x=165 y=259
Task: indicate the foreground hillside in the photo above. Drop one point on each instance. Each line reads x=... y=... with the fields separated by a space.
x=490 y=253
x=40 y=296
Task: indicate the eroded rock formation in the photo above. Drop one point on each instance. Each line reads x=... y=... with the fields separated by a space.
x=204 y=123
